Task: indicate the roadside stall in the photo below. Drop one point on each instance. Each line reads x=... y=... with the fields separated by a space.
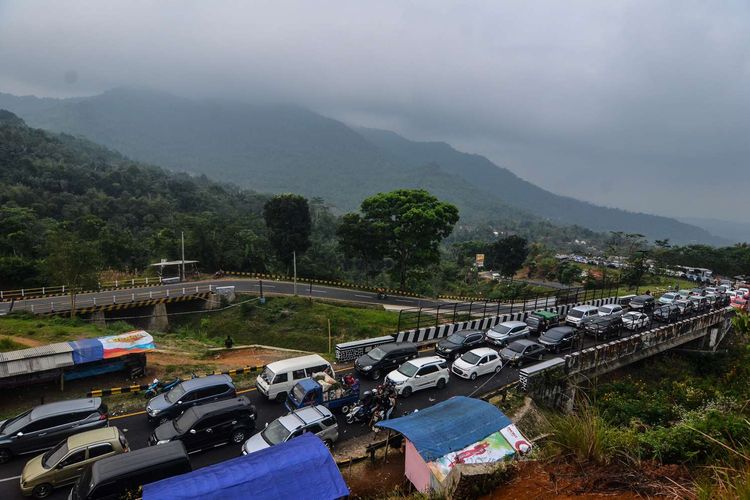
x=458 y=437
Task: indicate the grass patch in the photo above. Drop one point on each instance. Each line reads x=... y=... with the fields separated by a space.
x=55 y=329
x=7 y=344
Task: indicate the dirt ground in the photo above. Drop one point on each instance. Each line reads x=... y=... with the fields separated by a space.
x=367 y=480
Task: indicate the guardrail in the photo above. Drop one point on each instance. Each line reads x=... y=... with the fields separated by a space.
x=51 y=291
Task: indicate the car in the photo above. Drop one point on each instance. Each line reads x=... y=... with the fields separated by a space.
x=603 y=326
x=209 y=425
x=711 y=290
x=476 y=362
x=684 y=293
x=557 y=338
x=701 y=304
x=62 y=464
x=642 y=303
x=419 y=374
x=384 y=358
x=624 y=301
x=578 y=314
x=540 y=321
x=686 y=306
x=279 y=377
x=520 y=351
x=610 y=310
x=669 y=297
x=667 y=313
x=458 y=343
x=635 y=320
x=193 y=392
x=505 y=332
x=46 y=425
x=316 y=419
x=697 y=292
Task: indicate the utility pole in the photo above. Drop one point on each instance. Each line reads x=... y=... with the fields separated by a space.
x=294 y=260
x=182 y=237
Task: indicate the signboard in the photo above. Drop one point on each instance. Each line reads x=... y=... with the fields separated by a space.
x=480 y=260
x=516 y=440
x=126 y=343
x=493 y=448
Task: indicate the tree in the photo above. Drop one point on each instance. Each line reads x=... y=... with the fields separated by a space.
x=568 y=272
x=361 y=239
x=72 y=262
x=411 y=224
x=507 y=255
x=635 y=270
x=289 y=225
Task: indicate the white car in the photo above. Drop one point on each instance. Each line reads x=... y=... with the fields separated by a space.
x=669 y=298
x=610 y=310
x=418 y=374
x=579 y=314
x=635 y=320
x=504 y=333
x=477 y=362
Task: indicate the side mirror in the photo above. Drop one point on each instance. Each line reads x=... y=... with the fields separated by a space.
x=20 y=434
x=192 y=431
x=266 y=424
x=179 y=402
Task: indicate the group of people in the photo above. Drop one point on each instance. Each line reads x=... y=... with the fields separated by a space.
x=380 y=403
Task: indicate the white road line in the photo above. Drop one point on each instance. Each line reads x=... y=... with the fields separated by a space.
x=363 y=296
x=10 y=479
x=319 y=291
x=404 y=300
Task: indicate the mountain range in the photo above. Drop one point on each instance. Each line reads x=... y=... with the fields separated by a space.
x=286 y=148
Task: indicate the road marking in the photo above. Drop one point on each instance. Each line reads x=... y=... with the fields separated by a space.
x=10 y=479
x=363 y=296
x=404 y=300
x=319 y=291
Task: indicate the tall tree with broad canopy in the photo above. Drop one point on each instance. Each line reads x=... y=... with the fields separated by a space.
x=289 y=225
x=507 y=255
x=411 y=223
x=73 y=262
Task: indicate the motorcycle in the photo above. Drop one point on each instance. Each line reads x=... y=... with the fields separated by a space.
x=157 y=386
x=359 y=413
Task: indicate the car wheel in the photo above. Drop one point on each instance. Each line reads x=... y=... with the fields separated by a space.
x=42 y=490
x=163 y=420
x=5 y=455
x=375 y=375
x=473 y=376
x=441 y=382
x=499 y=367
x=345 y=409
x=238 y=436
x=281 y=397
x=406 y=392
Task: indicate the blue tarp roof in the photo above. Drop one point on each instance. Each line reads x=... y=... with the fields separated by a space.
x=309 y=384
x=87 y=350
x=448 y=426
x=300 y=468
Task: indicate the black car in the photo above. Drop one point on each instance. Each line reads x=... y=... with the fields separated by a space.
x=603 y=326
x=385 y=358
x=520 y=351
x=686 y=307
x=46 y=425
x=458 y=343
x=643 y=303
x=667 y=313
x=209 y=425
x=189 y=393
x=557 y=338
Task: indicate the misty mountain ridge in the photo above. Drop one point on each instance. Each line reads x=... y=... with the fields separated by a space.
x=287 y=148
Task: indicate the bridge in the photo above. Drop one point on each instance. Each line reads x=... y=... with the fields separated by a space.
x=556 y=380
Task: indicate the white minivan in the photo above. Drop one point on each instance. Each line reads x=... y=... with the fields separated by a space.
x=579 y=314
x=278 y=378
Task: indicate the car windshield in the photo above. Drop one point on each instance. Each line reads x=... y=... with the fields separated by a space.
x=54 y=455
x=470 y=358
x=186 y=421
x=632 y=316
x=456 y=338
x=275 y=433
x=298 y=392
x=267 y=375
x=516 y=347
x=376 y=354
x=501 y=329
x=576 y=313
x=605 y=310
x=555 y=334
x=17 y=423
x=175 y=394
x=669 y=295
x=84 y=484
x=408 y=369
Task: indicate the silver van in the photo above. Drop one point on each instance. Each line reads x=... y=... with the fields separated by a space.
x=315 y=419
x=579 y=314
x=279 y=377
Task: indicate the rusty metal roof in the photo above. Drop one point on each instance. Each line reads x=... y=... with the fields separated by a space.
x=35 y=359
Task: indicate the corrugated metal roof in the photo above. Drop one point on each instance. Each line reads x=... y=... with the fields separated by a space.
x=35 y=359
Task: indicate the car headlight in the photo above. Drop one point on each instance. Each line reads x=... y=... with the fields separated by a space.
x=162 y=441
x=152 y=412
x=398 y=382
x=447 y=349
x=367 y=368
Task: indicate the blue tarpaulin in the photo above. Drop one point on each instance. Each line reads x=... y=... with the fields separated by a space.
x=448 y=426
x=87 y=350
x=300 y=468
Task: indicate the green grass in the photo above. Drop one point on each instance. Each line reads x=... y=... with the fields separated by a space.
x=7 y=344
x=293 y=323
x=55 y=329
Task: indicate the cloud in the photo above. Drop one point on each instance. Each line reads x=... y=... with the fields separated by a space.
x=640 y=104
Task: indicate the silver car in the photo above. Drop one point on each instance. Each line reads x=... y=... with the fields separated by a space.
x=504 y=333
x=315 y=419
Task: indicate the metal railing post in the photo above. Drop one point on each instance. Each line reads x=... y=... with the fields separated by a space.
x=419 y=317
x=437 y=316
x=455 y=306
x=398 y=327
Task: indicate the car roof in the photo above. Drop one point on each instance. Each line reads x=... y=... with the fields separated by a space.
x=559 y=328
x=71 y=405
x=392 y=346
x=196 y=383
x=464 y=333
x=643 y=297
x=584 y=307
x=513 y=324
x=93 y=436
x=201 y=411
x=483 y=351
x=426 y=360
x=304 y=416
x=545 y=314
x=284 y=365
x=139 y=459
x=610 y=306
x=523 y=342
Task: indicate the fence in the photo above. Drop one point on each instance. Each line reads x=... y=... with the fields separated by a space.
x=50 y=291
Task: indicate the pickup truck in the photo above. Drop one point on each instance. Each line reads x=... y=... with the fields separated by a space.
x=310 y=392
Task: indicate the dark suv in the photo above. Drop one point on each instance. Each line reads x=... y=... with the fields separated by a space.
x=46 y=425
x=557 y=338
x=201 y=427
x=603 y=326
x=189 y=393
x=385 y=358
x=642 y=303
x=667 y=313
x=458 y=343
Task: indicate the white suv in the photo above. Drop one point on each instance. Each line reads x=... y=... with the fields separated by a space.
x=418 y=374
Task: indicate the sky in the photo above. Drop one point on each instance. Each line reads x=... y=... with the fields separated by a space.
x=642 y=105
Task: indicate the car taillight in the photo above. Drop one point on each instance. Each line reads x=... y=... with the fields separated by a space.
x=102 y=416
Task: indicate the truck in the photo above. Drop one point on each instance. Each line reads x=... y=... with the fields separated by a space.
x=310 y=392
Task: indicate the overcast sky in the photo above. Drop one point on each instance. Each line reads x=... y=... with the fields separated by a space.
x=643 y=105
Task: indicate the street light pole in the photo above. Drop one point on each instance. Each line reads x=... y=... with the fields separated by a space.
x=294 y=261
x=182 y=237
